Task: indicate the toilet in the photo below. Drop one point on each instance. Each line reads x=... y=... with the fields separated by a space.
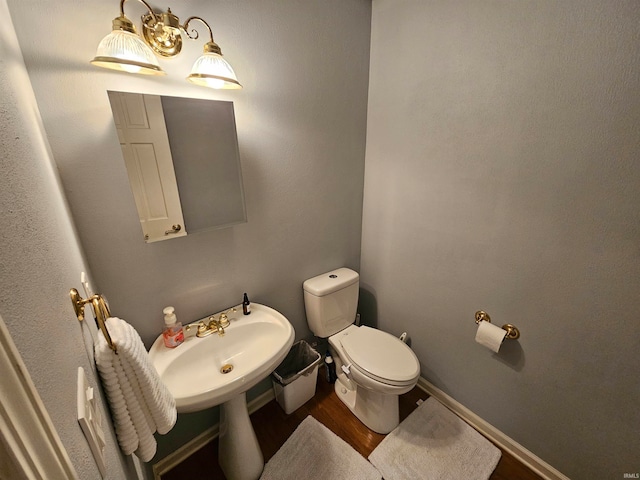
x=373 y=366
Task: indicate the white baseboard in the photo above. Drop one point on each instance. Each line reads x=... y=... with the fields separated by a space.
x=523 y=455
x=167 y=463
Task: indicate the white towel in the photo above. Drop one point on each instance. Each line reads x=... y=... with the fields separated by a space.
x=140 y=403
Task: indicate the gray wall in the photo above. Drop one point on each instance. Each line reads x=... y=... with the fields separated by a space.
x=502 y=174
x=40 y=259
x=301 y=121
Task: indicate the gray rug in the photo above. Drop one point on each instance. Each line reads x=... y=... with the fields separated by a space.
x=434 y=443
x=313 y=452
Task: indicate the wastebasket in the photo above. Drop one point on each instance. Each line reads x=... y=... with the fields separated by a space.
x=294 y=380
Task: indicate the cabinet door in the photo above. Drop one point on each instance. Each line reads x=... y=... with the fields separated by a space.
x=145 y=148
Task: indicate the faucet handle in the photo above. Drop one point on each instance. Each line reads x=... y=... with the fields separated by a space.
x=223 y=320
x=202 y=328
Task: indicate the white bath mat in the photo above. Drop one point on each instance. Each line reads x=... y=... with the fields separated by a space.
x=433 y=443
x=313 y=452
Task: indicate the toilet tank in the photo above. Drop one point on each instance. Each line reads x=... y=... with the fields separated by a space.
x=331 y=300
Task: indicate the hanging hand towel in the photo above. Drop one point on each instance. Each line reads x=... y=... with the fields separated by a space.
x=140 y=403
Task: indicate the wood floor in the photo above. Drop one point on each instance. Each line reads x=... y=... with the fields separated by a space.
x=273 y=427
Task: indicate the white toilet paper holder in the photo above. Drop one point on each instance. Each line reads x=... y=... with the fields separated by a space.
x=512 y=332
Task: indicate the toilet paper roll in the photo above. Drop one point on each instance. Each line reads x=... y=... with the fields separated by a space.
x=490 y=336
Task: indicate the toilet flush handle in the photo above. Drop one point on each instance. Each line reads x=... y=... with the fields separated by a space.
x=346 y=369
x=403 y=337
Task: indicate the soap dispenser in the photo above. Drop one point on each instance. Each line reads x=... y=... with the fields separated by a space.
x=172 y=333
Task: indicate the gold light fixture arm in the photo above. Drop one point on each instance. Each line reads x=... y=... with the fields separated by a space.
x=210 y=46
x=141 y=1
x=123 y=23
x=195 y=35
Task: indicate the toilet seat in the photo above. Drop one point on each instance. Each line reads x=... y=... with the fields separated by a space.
x=380 y=356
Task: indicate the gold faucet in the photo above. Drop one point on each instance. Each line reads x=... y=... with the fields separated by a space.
x=205 y=329
x=214 y=325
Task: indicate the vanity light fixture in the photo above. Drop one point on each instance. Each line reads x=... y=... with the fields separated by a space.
x=123 y=49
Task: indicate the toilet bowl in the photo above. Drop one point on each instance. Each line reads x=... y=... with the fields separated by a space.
x=373 y=366
x=378 y=367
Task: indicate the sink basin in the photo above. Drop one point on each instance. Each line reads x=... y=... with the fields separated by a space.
x=218 y=370
x=253 y=345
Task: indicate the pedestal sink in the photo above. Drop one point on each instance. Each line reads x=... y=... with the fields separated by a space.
x=218 y=370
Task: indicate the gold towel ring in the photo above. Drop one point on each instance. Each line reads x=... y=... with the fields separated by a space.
x=99 y=307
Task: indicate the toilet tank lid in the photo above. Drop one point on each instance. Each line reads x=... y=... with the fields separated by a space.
x=330 y=282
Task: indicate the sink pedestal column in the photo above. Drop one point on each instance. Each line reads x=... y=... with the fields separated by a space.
x=239 y=453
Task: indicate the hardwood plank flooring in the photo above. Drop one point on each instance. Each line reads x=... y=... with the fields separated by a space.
x=273 y=427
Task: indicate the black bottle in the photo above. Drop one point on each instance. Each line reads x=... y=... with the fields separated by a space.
x=330 y=368
x=246 y=305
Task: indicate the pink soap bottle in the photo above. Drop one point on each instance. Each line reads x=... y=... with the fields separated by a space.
x=172 y=333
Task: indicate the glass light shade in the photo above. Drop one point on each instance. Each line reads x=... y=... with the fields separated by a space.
x=211 y=70
x=125 y=51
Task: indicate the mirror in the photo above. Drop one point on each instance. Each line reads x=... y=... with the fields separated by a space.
x=183 y=162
